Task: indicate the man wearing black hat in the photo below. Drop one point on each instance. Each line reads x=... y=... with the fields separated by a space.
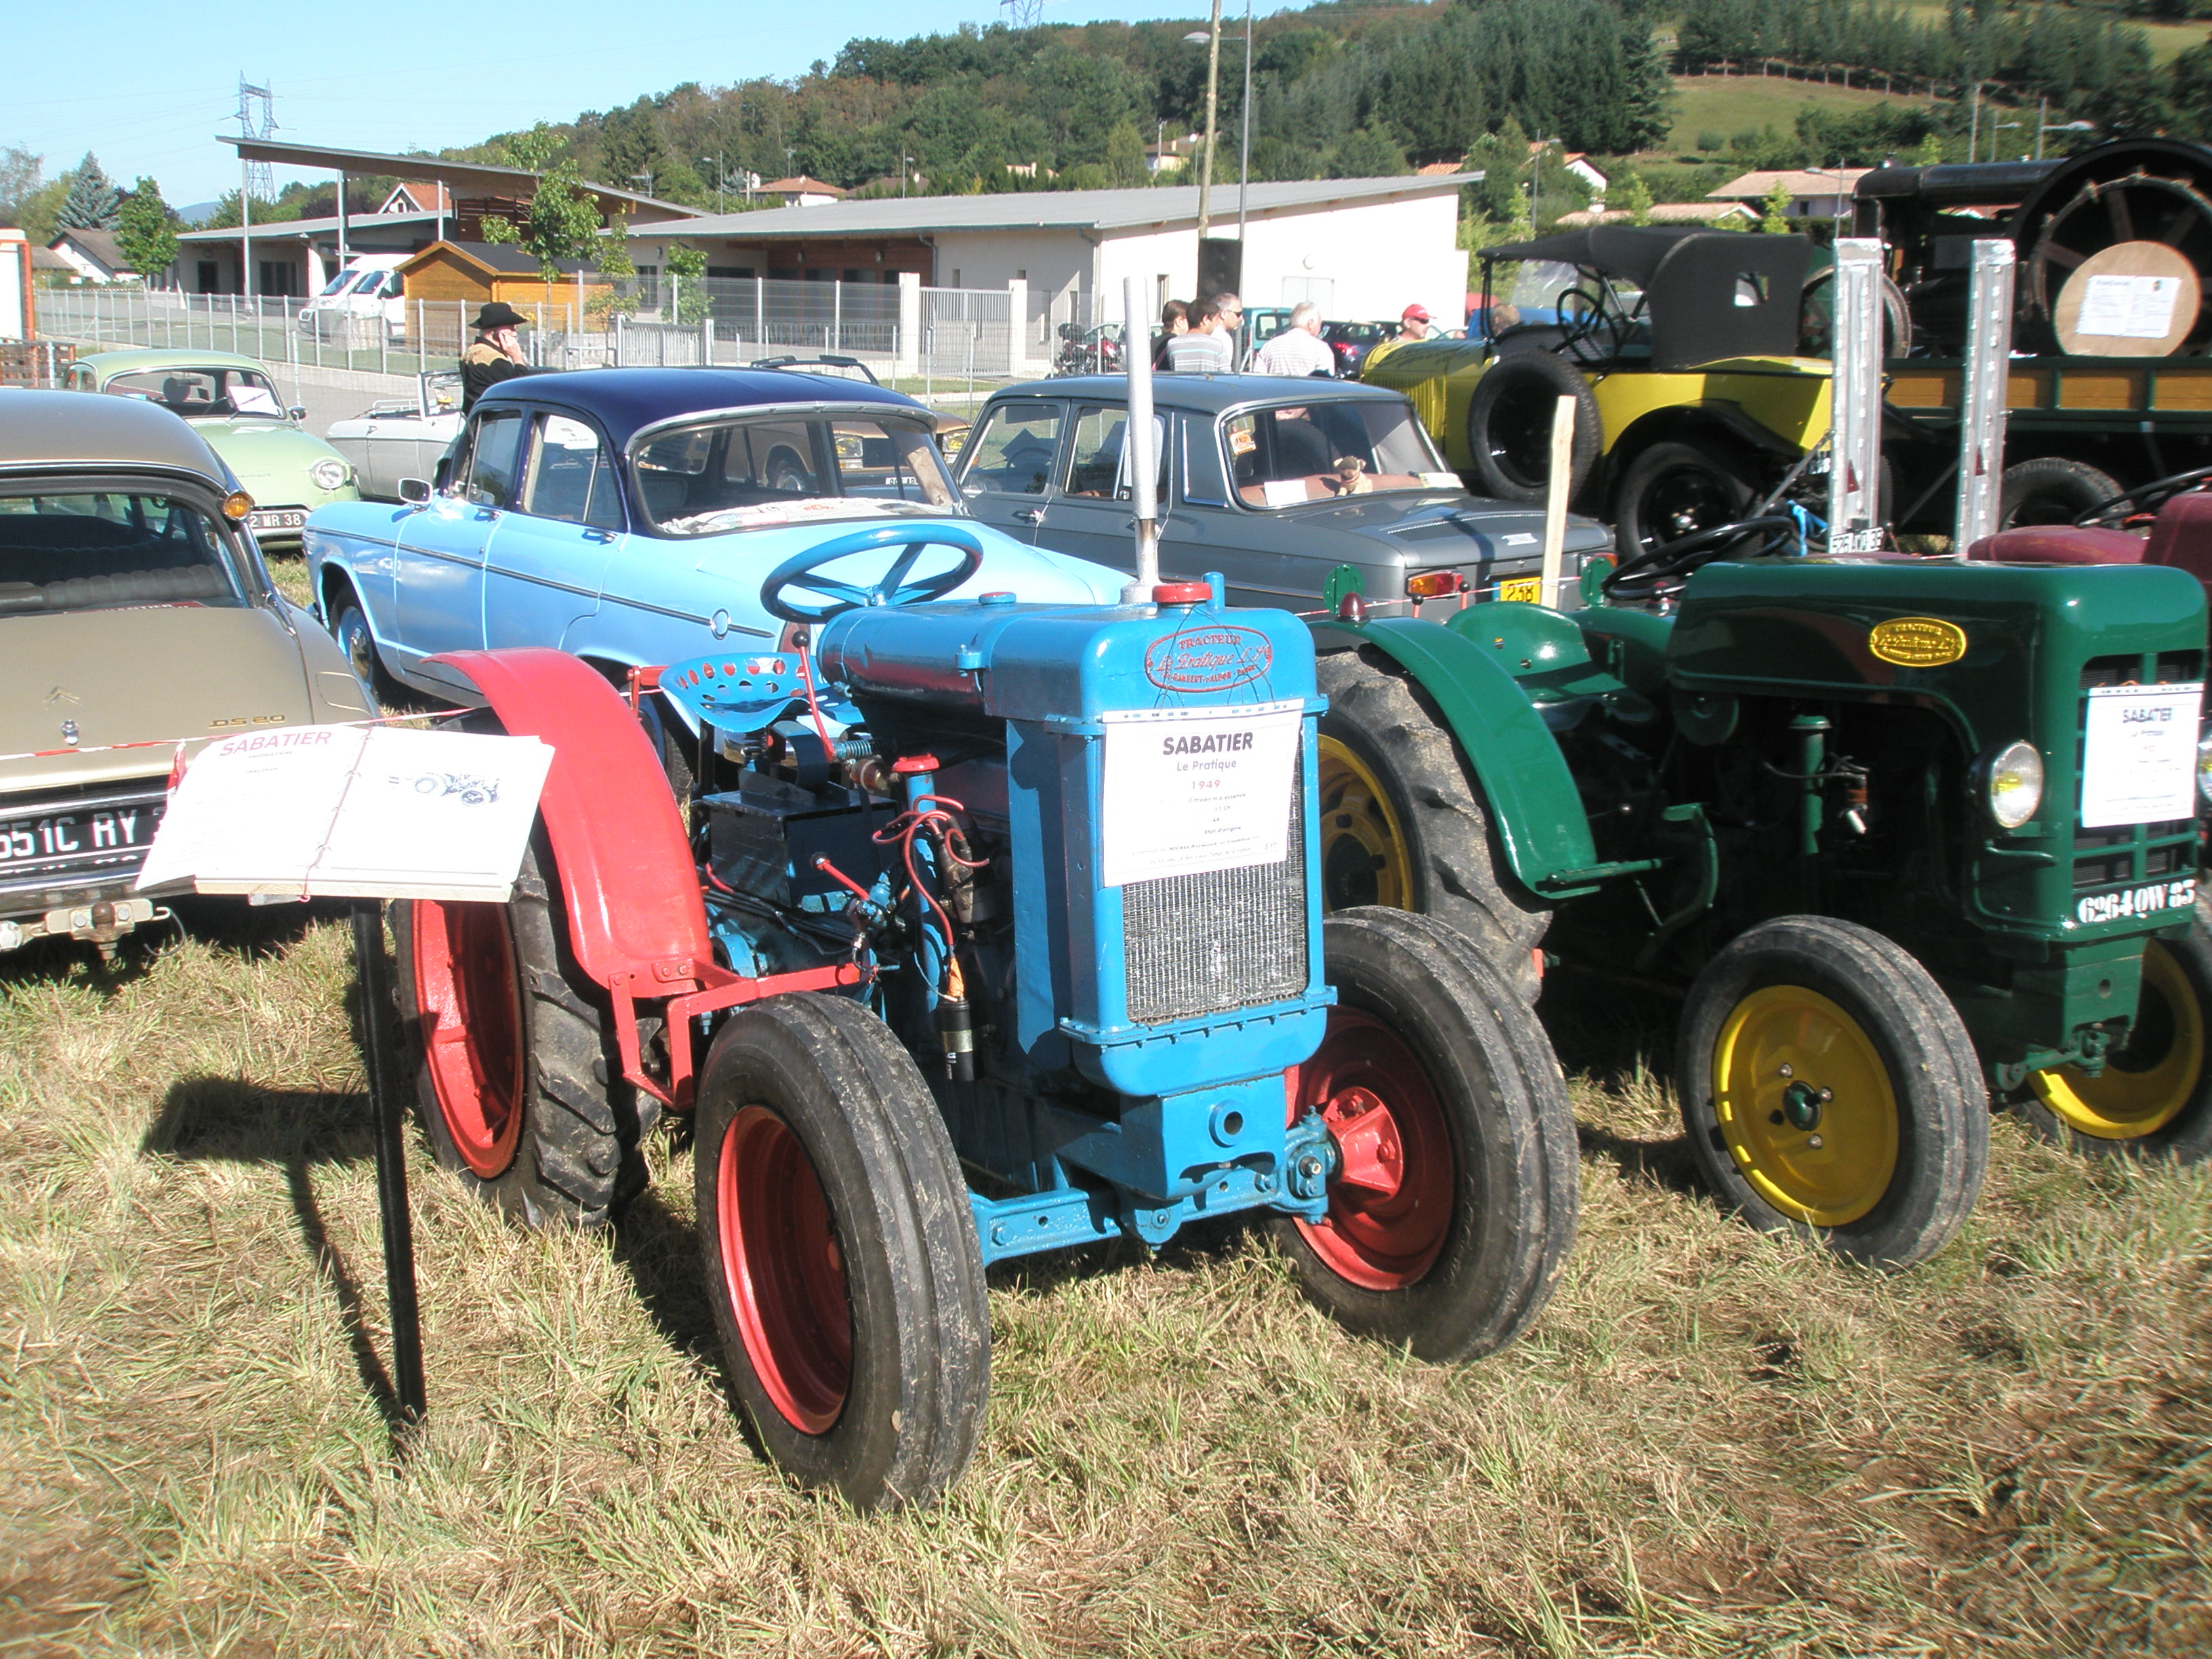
x=497 y=354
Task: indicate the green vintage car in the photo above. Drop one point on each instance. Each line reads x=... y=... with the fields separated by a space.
x=234 y=406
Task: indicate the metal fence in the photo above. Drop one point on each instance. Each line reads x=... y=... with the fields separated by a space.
x=946 y=345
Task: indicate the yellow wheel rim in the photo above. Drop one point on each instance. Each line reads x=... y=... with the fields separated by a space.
x=1805 y=1105
x=1363 y=851
x=2143 y=1086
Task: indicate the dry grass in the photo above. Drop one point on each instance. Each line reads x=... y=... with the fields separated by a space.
x=1714 y=1444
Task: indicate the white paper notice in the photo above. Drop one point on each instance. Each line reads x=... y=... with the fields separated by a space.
x=1190 y=790
x=352 y=812
x=2139 y=755
x=2129 y=308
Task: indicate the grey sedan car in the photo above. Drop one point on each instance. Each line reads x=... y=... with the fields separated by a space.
x=1272 y=481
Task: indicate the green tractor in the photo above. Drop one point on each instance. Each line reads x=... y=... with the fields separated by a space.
x=1908 y=835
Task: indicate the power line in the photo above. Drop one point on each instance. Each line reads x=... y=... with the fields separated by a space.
x=257 y=118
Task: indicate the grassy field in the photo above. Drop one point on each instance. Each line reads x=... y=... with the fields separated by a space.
x=1730 y=103
x=1714 y=1442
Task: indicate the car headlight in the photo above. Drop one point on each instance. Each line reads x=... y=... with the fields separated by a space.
x=2205 y=768
x=2015 y=784
x=329 y=474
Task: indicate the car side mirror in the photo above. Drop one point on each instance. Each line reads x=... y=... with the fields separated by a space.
x=297 y=412
x=415 y=492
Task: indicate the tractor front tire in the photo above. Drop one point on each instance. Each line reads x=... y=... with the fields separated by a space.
x=2153 y=1098
x=1453 y=1204
x=1829 y=1088
x=841 y=1253
x=514 y=1053
x=1402 y=824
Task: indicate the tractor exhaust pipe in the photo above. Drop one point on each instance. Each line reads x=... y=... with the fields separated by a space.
x=1139 y=442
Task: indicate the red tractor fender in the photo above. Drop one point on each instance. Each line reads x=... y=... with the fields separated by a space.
x=626 y=876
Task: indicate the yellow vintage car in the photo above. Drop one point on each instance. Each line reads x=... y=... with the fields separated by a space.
x=1680 y=348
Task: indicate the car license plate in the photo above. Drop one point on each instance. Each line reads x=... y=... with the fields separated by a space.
x=286 y=519
x=61 y=838
x=2176 y=898
x=1528 y=590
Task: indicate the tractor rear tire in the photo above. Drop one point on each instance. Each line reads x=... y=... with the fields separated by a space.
x=514 y=1053
x=1509 y=427
x=1829 y=1089
x=841 y=1253
x=1452 y=1244
x=1403 y=825
x=2153 y=1099
x=2048 y=490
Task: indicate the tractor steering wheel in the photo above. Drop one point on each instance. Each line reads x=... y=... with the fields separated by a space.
x=1683 y=554
x=2145 y=496
x=890 y=588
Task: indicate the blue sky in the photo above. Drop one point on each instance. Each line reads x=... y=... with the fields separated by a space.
x=390 y=74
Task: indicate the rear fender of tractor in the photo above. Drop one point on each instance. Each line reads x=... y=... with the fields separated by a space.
x=627 y=876
x=1534 y=807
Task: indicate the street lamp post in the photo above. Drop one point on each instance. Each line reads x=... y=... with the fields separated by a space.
x=2044 y=125
x=1212 y=38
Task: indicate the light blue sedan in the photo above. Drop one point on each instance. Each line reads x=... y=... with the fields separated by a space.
x=632 y=516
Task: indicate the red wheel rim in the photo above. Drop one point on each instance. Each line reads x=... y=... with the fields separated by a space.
x=469 y=995
x=784 y=1270
x=1391 y=1203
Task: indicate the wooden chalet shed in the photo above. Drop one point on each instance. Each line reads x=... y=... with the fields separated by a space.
x=475 y=273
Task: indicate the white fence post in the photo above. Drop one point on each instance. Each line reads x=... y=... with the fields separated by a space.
x=907 y=342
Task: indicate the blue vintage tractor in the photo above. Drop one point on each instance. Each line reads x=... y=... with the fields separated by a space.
x=1000 y=926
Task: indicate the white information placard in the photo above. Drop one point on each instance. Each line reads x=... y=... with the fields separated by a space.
x=2139 y=755
x=1191 y=790
x=2129 y=308
x=350 y=812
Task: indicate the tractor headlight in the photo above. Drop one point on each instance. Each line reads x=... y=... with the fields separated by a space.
x=2205 y=768
x=2015 y=784
x=329 y=474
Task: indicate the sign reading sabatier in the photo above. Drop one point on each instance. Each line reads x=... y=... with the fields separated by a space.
x=1192 y=790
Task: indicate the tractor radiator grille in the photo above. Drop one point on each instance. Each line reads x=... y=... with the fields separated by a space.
x=1231 y=938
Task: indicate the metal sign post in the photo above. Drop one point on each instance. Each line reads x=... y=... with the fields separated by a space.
x=1137 y=441
x=369 y=966
x=1855 y=399
x=1982 y=401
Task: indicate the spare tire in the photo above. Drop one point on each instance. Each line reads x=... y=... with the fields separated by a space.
x=1509 y=426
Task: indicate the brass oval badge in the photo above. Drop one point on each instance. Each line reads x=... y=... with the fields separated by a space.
x=1918 y=641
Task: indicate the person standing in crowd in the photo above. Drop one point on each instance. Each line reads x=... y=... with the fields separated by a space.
x=1298 y=349
x=1232 y=328
x=1175 y=318
x=1413 y=324
x=495 y=355
x=1203 y=348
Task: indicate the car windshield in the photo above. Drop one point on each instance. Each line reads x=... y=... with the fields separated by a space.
x=754 y=471
x=337 y=283
x=100 y=549
x=1320 y=450
x=195 y=392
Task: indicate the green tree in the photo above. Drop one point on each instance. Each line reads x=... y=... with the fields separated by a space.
x=22 y=173
x=613 y=262
x=1930 y=153
x=1125 y=154
x=92 y=202
x=146 y=230
x=1632 y=196
x=1775 y=216
x=687 y=271
x=2192 y=92
x=562 y=221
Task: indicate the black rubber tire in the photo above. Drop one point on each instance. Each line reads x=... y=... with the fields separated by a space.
x=579 y=1154
x=1456 y=872
x=2050 y=491
x=1673 y=489
x=350 y=627
x=1942 y=1127
x=1509 y=426
x=2186 y=1137
x=920 y=1367
x=1516 y=1184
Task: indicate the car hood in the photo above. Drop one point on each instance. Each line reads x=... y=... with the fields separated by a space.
x=1032 y=574
x=271 y=457
x=1446 y=528
x=140 y=675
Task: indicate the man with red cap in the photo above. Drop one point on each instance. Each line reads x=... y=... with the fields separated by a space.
x=1413 y=324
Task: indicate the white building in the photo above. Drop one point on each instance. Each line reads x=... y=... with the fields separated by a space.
x=1359 y=248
